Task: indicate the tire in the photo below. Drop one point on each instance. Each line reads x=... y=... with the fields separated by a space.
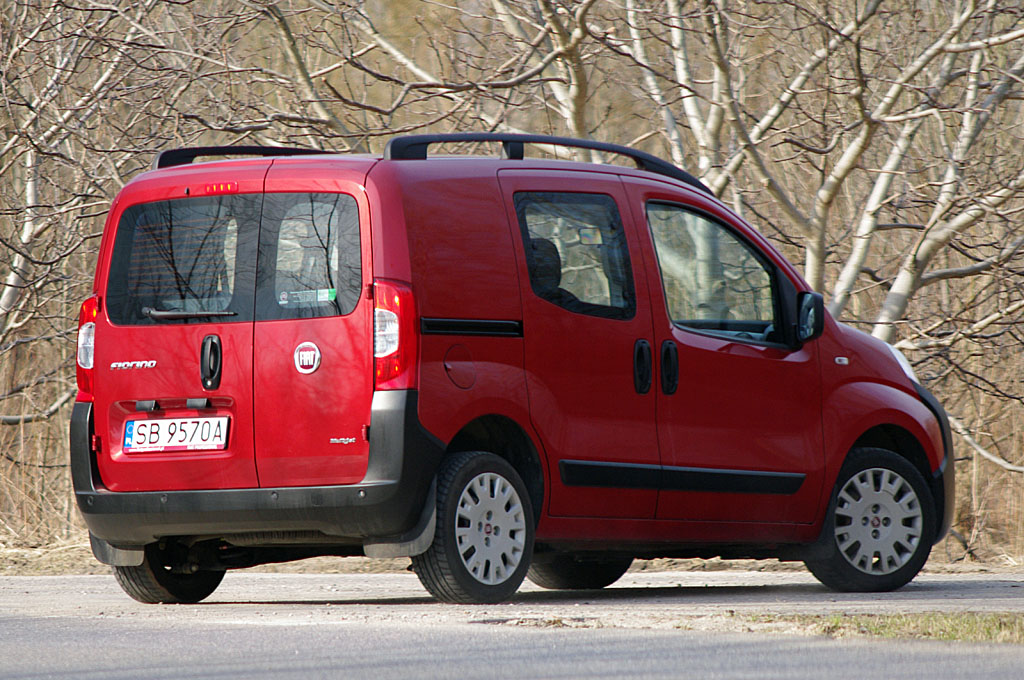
x=882 y=523
x=577 y=571
x=153 y=582
x=483 y=540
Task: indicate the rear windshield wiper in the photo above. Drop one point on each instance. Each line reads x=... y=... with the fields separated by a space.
x=160 y=314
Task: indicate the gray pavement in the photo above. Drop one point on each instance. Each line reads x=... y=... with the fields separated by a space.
x=657 y=625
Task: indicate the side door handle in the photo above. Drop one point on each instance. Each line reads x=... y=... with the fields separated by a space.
x=643 y=371
x=210 y=361
x=669 y=367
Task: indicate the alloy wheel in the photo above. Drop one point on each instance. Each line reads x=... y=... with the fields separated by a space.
x=878 y=521
x=490 y=528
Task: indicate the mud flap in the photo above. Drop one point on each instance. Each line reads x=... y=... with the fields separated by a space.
x=414 y=542
x=115 y=557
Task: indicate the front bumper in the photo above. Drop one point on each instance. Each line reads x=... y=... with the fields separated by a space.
x=388 y=502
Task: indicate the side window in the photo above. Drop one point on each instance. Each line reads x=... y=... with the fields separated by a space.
x=576 y=252
x=713 y=280
x=309 y=257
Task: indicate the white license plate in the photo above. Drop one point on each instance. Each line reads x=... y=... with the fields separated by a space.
x=176 y=434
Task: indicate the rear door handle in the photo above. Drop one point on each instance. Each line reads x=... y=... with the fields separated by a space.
x=210 y=361
x=642 y=368
x=669 y=367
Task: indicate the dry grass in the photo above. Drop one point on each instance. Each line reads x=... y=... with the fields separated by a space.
x=949 y=627
x=36 y=500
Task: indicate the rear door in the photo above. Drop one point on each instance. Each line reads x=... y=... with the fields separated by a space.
x=180 y=278
x=586 y=324
x=313 y=354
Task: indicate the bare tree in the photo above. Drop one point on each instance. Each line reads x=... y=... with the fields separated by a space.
x=872 y=139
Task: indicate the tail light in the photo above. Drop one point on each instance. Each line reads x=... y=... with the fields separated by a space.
x=86 y=346
x=395 y=336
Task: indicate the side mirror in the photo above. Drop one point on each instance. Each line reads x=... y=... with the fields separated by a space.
x=810 y=320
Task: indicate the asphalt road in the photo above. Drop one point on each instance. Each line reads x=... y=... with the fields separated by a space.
x=381 y=626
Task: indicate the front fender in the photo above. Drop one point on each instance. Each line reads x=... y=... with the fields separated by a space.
x=855 y=408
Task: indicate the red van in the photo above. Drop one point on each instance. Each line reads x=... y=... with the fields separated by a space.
x=502 y=367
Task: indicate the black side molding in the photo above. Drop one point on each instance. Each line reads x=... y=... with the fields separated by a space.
x=492 y=327
x=669 y=478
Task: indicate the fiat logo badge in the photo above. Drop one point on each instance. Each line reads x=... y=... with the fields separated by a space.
x=307 y=357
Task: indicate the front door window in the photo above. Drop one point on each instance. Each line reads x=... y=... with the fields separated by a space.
x=713 y=281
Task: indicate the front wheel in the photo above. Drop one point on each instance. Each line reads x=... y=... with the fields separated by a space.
x=483 y=540
x=157 y=580
x=881 y=520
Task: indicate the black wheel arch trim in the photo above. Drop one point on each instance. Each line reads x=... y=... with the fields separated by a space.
x=942 y=481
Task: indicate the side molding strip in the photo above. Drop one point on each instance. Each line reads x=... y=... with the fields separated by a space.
x=491 y=327
x=669 y=478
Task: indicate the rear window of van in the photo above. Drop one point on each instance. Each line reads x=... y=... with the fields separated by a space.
x=185 y=255
x=237 y=257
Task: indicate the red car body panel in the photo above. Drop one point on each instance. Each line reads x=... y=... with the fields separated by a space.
x=311 y=429
x=175 y=376
x=492 y=353
x=575 y=362
x=736 y=408
x=463 y=274
x=866 y=392
x=592 y=533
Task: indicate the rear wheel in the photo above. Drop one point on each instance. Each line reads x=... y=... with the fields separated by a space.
x=157 y=580
x=577 y=571
x=484 y=534
x=881 y=520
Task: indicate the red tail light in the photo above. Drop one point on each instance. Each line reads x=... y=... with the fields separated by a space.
x=86 y=346
x=395 y=336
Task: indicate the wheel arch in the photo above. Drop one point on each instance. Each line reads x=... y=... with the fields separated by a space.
x=898 y=440
x=504 y=437
x=868 y=413
x=903 y=443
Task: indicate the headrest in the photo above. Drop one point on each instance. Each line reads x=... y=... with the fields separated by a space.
x=547 y=264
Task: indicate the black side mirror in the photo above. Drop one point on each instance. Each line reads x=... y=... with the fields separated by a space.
x=810 y=320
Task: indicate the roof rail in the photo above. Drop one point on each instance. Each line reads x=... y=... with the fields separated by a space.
x=414 y=147
x=184 y=156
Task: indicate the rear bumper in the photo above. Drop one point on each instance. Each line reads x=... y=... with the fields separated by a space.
x=388 y=502
x=943 y=481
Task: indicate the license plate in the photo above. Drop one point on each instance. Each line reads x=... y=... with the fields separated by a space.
x=176 y=434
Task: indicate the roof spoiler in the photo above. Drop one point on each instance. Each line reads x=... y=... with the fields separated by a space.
x=184 y=156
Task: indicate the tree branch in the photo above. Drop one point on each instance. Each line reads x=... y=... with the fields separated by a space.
x=43 y=415
x=953 y=338
x=713 y=24
x=305 y=82
x=959 y=428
